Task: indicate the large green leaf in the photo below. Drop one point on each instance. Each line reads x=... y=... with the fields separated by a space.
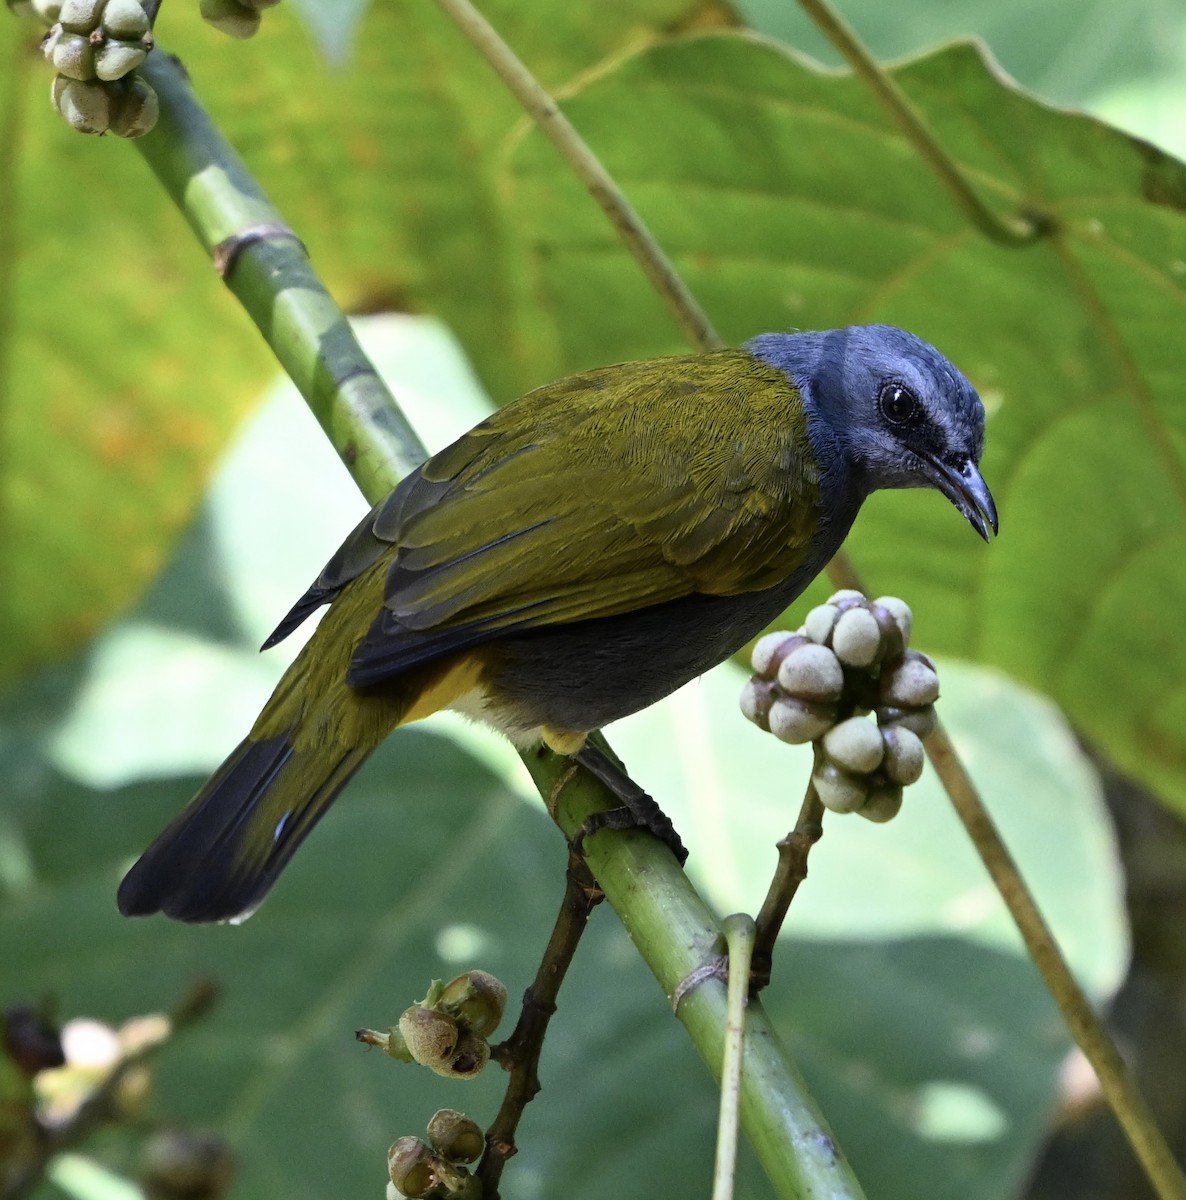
x=788 y=199
x=124 y=364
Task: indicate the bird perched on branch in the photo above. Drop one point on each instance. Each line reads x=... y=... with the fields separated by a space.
x=572 y=559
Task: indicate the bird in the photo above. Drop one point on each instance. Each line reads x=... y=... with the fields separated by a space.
x=575 y=557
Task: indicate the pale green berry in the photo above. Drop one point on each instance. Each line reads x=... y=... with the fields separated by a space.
x=410 y=1164
x=86 y=107
x=476 y=1000
x=811 y=672
x=81 y=16
x=230 y=17
x=900 y=612
x=73 y=56
x=819 y=622
x=431 y=1037
x=756 y=698
x=855 y=745
x=125 y=19
x=115 y=59
x=456 y=1136
x=839 y=791
x=771 y=649
x=903 y=754
x=137 y=110
x=883 y=805
x=846 y=596
x=911 y=682
x=857 y=638
x=920 y=721
x=468 y=1059
x=798 y=721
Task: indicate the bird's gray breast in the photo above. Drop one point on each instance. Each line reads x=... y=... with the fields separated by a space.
x=584 y=675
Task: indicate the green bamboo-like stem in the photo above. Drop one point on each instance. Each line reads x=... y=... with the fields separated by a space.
x=272 y=278
x=1084 y=1023
x=739 y=939
x=677 y=934
x=1011 y=230
x=668 y=920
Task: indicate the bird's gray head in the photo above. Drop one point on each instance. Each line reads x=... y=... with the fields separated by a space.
x=887 y=410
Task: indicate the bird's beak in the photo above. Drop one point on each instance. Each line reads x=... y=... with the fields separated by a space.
x=964 y=486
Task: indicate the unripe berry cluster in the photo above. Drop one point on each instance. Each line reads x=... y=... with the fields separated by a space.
x=447 y=1031
x=849 y=659
x=96 y=46
x=436 y=1168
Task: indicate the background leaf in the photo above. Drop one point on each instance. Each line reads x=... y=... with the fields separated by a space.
x=124 y=365
x=788 y=200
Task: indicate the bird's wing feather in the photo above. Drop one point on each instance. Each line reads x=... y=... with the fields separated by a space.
x=721 y=498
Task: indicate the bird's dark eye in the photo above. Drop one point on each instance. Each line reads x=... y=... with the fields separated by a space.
x=898 y=404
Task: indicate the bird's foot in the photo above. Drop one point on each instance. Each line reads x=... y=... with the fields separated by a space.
x=638 y=810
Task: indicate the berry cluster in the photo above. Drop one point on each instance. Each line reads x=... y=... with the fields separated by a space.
x=819 y=685
x=96 y=46
x=447 y=1030
x=436 y=1168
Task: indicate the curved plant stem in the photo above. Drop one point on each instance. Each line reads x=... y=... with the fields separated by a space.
x=1017 y=230
x=269 y=273
x=739 y=939
x=1116 y=1082
x=543 y=108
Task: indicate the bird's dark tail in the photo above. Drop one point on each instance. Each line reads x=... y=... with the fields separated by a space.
x=218 y=859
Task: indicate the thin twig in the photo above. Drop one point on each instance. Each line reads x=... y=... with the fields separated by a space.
x=790 y=872
x=1014 y=230
x=739 y=937
x=1119 y=1087
x=542 y=107
x=520 y=1053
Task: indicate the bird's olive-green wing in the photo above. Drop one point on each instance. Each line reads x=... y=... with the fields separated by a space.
x=603 y=493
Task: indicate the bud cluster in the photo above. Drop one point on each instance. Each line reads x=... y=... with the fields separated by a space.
x=95 y=46
x=447 y=1031
x=437 y=1168
x=819 y=685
